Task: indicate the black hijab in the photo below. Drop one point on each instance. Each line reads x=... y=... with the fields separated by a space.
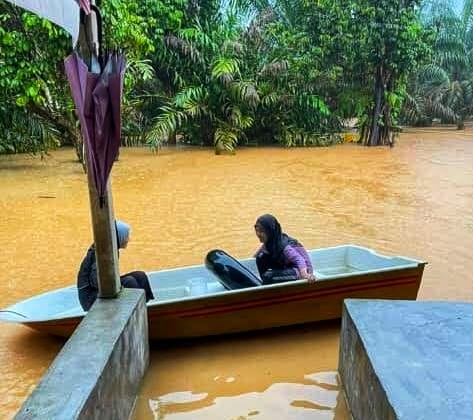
x=276 y=239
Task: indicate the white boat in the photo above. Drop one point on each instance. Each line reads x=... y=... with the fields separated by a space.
x=192 y=301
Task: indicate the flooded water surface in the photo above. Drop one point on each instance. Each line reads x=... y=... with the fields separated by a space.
x=414 y=200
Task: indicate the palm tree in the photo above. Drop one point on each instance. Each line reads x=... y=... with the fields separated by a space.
x=213 y=102
x=237 y=76
x=444 y=88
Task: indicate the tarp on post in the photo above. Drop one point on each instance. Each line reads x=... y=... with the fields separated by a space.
x=64 y=13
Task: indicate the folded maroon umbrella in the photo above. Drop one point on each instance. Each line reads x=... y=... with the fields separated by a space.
x=98 y=102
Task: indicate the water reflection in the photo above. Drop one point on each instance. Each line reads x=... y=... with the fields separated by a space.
x=275 y=374
x=279 y=401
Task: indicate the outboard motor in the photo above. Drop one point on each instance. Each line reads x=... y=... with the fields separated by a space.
x=230 y=272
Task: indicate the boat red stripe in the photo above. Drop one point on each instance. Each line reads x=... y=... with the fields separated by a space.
x=69 y=323
x=297 y=299
x=262 y=302
x=298 y=296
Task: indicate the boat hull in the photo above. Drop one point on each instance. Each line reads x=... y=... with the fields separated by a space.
x=261 y=308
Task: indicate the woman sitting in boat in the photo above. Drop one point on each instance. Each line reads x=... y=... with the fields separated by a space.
x=87 y=277
x=280 y=258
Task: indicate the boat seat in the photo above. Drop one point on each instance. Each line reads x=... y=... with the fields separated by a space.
x=229 y=271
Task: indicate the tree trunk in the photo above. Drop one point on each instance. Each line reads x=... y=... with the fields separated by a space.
x=374 y=134
x=79 y=147
x=172 y=138
x=207 y=132
x=378 y=129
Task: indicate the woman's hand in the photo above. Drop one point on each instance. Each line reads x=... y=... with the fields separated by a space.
x=309 y=276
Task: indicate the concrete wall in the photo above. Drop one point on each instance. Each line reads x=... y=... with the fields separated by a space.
x=366 y=397
x=99 y=370
x=407 y=360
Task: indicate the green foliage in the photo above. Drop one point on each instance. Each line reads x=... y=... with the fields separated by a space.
x=391 y=42
x=226 y=73
x=32 y=80
x=225 y=138
x=209 y=101
x=26 y=133
x=35 y=104
x=443 y=88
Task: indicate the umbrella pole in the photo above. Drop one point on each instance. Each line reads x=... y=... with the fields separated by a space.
x=103 y=218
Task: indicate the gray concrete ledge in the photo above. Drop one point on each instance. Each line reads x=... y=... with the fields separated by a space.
x=407 y=360
x=99 y=370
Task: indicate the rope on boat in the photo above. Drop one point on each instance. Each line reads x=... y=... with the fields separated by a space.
x=16 y=313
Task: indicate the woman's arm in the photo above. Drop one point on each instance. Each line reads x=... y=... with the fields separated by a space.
x=260 y=250
x=87 y=272
x=297 y=261
x=294 y=258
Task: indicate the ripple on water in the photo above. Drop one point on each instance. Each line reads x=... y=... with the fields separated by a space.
x=279 y=401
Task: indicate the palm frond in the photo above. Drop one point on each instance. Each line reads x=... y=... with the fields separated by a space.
x=313 y=102
x=432 y=74
x=190 y=93
x=232 y=47
x=270 y=99
x=226 y=138
x=452 y=58
x=467 y=13
x=275 y=68
x=225 y=69
x=453 y=93
x=245 y=92
x=439 y=110
x=24 y=131
x=184 y=47
x=164 y=125
x=237 y=119
x=196 y=36
x=140 y=69
x=413 y=109
x=467 y=87
x=192 y=101
x=247 y=5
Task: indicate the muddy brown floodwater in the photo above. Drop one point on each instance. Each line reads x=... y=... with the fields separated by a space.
x=415 y=200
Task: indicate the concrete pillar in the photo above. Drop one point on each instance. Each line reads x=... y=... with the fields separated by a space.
x=407 y=360
x=99 y=370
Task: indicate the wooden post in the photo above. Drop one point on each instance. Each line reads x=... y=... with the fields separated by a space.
x=105 y=239
x=103 y=218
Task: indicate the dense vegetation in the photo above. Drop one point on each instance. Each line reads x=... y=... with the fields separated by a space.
x=222 y=73
x=443 y=88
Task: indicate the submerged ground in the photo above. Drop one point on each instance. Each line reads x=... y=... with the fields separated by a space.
x=415 y=200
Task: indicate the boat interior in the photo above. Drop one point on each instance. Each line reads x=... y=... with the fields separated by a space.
x=197 y=282
x=329 y=263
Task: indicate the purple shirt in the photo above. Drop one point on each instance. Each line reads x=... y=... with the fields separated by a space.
x=294 y=257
